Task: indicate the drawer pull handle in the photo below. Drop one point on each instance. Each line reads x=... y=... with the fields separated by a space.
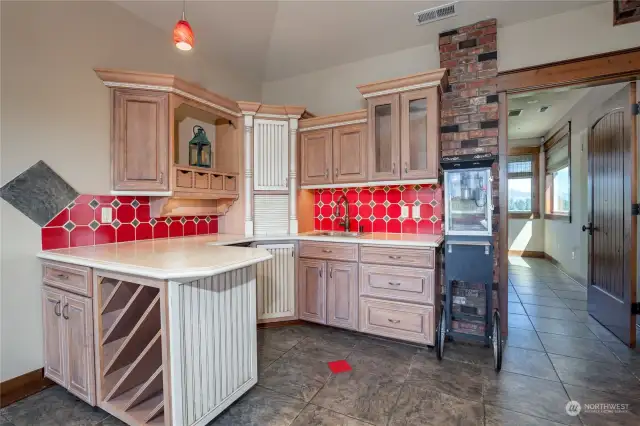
x=320 y=272
x=392 y=283
x=56 y=309
x=62 y=276
x=394 y=257
x=327 y=251
x=63 y=314
x=392 y=321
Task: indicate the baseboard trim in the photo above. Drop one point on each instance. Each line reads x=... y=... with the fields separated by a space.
x=527 y=253
x=20 y=387
x=280 y=324
x=557 y=264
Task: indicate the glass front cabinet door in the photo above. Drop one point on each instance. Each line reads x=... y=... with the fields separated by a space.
x=468 y=202
x=419 y=134
x=384 y=137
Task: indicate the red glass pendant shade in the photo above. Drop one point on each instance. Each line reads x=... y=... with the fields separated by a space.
x=183 y=35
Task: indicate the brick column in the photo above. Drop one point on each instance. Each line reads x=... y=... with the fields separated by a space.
x=469 y=109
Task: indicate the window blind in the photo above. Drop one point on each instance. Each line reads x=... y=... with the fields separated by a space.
x=557 y=157
x=520 y=166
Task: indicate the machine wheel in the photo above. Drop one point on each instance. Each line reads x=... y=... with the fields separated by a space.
x=496 y=341
x=441 y=334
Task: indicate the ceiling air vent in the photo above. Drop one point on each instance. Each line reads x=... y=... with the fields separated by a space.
x=435 y=13
x=544 y=108
x=515 y=113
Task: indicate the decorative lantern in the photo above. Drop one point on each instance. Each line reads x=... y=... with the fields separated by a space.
x=199 y=148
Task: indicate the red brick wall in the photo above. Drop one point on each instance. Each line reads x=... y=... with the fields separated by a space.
x=469 y=110
x=79 y=223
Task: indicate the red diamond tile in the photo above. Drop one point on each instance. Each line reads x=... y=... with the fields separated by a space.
x=425 y=195
x=316 y=196
x=189 y=228
x=365 y=210
x=438 y=195
x=353 y=225
x=394 y=211
x=105 y=234
x=316 y=210
x=316 y=224
x=202 y=227
x=142 y=213
x=54 y=238
x=426 y=211
x=379 y=196
x=160 y=230
x=409 y=226
x=326 y=210
x=325 y=197
x=341 y=366
x=81 y=214
x=352 y=195
x=213 y=225
x=60 y=219
x=437 y=211
x=125 y=213
x=176 y=229
x=394 y=227
x=379 y=211
x=409 y=196
x=81 y=236
x=365 y=196
x=144 y=231
x=104 y=199
x=366 y=225
x=379 y=225
x=394 y=195
x=125 y=232
x=326 y=224
x=125 y=199
x=83 y=199
x=143 y=199
x=425 y=227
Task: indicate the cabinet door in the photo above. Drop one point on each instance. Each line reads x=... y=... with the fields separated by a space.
x=140 y=151
x=77 y=313
x=350 y=153
x=270 y=155
x=384 y=137
x=315 y=157
x=54 y=340
x=312 y=284
x=420 y=134
x=275 y=282
x=342 y=295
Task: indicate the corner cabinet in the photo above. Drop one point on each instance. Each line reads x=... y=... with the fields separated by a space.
x=404 y=126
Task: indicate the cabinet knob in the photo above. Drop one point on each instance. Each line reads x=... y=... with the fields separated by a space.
x=406 y=167
x=392 y=321
x=161 y=177
x=326 y=173
x=330 y=272
x=63 y=314
x=320 y=272
x=393 y=168
x=394 y=257
x=56 y=309
x=62 y=276
x=392 y=283
x=327 y=251
x=336 y=171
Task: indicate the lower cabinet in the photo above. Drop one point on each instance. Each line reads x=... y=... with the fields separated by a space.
x=328 y=292
x=68 y=342
x=406 y=321
x=276 y=282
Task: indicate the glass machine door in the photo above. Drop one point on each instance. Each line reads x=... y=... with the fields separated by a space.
x=468 y=202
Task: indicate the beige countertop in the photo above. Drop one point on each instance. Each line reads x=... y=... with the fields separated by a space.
x=199 y=256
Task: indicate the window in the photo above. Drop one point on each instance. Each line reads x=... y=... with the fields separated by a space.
x=523 y=171
x=557 y=152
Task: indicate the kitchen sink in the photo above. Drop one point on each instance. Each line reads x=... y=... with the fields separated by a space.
x=339 y=234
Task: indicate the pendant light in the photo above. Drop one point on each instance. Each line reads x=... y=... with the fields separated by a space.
x=182 y=33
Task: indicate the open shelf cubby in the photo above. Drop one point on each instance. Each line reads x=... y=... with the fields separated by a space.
x=131 y=352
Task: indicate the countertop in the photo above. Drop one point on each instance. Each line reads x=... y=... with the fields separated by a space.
x=199 y=256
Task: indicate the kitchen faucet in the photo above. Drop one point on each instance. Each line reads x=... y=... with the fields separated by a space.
x=345 y=218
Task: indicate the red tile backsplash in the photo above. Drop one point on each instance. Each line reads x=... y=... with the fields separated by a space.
x=79 y=223
x=378 y=209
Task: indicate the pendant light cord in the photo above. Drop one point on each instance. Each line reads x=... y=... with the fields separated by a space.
x=184 y=9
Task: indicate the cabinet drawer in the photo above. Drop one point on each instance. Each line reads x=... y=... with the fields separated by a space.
x=399 y=320
x=398 y=283
x=230 y=183
x=76 y=279
x=201 y=180
x=216 y=182
x=184 y=178
x=398 y=256
x=331 y=251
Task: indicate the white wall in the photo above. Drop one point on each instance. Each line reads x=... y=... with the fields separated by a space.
x=576 y=33
x=566 y=242
x=54 y=108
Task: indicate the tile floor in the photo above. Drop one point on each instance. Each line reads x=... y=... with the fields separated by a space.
x=555 y=352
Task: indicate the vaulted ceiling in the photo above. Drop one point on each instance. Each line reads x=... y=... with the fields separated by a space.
x=271 y=40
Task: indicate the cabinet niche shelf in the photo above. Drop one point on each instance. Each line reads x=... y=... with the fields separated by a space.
x=131 y=371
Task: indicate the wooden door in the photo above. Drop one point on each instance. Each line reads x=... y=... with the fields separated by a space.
x=276 y=284
x=384 y=137
x=612 y=277
x=342 y=295
x=270 y=155
x=54 y=340
x=77 y=313
x=350 y=153
x=312 y=285
x=315 y=157
x=140 y=145
x=420 y=134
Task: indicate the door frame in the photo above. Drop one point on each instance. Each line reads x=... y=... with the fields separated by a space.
x=587 y=71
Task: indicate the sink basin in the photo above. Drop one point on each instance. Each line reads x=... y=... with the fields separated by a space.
x=339 y=234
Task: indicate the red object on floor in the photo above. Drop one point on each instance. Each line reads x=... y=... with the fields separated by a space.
x=341 y=366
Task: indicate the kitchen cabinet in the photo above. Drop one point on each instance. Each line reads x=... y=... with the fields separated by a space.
x=140 y=140
x=271 y=155
x=384 y=139
x=276 y=282
x=349 y=145
x=68 y=342
x=312 y=285
x=419 y=134
x=342 y=295
x=315 y=154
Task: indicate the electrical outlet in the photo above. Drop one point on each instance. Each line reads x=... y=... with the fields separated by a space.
x=416 y=212
x=573 y=255
x=404 y=211
x=106 y=215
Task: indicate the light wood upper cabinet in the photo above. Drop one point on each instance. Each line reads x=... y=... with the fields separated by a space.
x=140 y=140
x=384 y=137
x=342 y=295
x=312 y=286
x=68 y=342
x=420 y=134
x=315 y=157
x=350 y=153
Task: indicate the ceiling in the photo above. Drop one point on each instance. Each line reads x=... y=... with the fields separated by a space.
x=271 y=40
x=532 y=123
